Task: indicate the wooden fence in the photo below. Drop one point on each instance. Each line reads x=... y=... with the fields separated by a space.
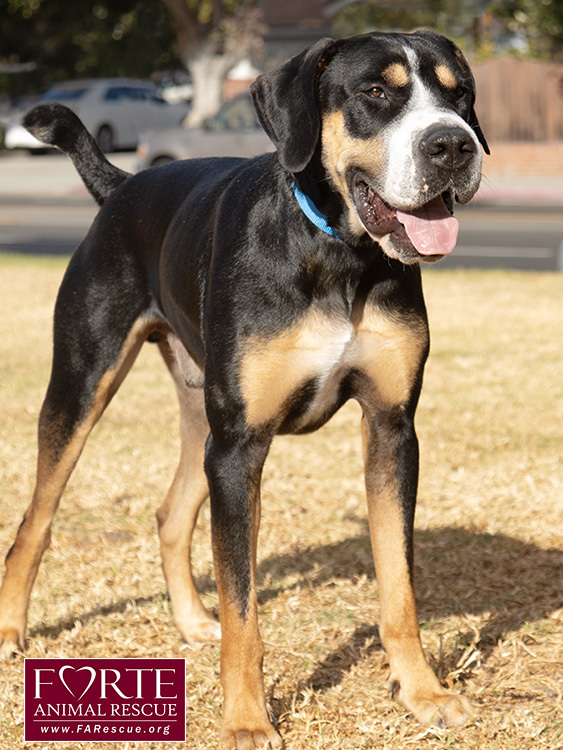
x=520 y=100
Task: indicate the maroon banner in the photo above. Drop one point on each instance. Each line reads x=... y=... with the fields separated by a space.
x=97 y=700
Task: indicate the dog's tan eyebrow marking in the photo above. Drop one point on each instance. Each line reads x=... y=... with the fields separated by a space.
x=396 y=74
x=446 y=76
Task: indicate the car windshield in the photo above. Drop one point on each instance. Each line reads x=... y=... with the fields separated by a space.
x=117 y=93
x=65 y=95
x=237 y=114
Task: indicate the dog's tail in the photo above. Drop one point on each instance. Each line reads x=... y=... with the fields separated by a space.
x=58 y=126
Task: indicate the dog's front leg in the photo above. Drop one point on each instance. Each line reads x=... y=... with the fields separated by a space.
x=234 y=467
x=391 y=469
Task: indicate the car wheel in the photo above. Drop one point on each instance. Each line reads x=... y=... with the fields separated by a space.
x=161 y=160
x=104 y=139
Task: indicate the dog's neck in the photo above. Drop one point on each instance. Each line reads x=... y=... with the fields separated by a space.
x=312 y=199
x=311 y=211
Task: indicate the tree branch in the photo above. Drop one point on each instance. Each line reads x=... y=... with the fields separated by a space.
x=188 y=29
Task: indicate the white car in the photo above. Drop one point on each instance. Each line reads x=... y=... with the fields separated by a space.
x=114 y=110
x=233 y=131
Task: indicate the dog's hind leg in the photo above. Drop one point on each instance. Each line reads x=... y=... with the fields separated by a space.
x=99 y=328
x=178 y=514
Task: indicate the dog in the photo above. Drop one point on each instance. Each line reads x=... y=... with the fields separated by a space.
x=276 y=289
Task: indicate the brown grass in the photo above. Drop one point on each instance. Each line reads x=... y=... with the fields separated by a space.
x=489 y=568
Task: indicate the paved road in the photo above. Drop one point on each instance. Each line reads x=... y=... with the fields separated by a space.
x=508 y=237
x=522 y=237
x=44 y=228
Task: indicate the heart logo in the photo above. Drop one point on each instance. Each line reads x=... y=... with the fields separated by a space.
x=82 y=669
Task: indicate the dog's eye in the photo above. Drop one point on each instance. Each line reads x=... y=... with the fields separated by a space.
x=377 y=93
x=460 y=92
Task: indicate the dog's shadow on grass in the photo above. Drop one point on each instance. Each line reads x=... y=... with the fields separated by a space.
x=119 y=606
x=457 y=572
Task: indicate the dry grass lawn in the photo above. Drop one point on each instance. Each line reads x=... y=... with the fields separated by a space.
x=489 y=567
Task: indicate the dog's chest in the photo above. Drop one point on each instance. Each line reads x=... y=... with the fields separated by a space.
x=302 y=369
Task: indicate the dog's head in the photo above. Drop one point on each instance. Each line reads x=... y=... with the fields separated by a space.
x=392 y=119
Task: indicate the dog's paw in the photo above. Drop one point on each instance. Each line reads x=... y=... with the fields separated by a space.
x=11 y=642
x=201 y=630
x=437 y=707
x=209 y=631
x=248 y=739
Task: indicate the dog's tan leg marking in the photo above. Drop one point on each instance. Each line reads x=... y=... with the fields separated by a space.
x=53 y=472
x=178 y=514
x=413 y=683
x=245 y=714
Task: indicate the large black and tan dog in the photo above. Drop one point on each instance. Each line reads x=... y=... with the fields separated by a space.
x=277 y=288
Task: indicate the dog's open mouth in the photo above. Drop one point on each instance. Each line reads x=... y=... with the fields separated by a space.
x=431 y=229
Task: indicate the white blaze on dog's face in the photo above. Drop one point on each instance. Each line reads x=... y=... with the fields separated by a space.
x=410 y=179
x=398 y=142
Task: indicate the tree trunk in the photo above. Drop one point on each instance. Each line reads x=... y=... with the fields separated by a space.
x=210 y=49
x=208 y=70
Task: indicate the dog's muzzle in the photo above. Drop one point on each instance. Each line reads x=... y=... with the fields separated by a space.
x=429 y=231
x=447 y=150
x=427 y=173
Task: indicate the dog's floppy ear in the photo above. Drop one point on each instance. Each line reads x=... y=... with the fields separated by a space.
x=474 y=123
x=286 y=102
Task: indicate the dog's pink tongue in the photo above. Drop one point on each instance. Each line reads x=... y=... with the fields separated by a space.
x=431 y=228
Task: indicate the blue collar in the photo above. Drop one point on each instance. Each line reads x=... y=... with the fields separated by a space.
x=312 y=212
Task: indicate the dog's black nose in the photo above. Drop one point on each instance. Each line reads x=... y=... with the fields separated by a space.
x=449 y=148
